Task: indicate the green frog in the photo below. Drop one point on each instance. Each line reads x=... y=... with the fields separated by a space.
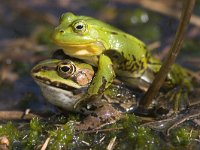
x=113 y=52
x=64 y=82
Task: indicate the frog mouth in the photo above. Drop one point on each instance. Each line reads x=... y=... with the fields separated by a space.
x=86 y=49
x=54 y=84
x=75 y=44
x=61 y=42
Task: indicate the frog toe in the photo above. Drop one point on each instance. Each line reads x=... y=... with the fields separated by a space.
x=179 y=100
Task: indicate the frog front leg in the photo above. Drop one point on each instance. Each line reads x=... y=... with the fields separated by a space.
x=102 y=79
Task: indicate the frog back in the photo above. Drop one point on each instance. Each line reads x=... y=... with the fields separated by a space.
x=128 y=54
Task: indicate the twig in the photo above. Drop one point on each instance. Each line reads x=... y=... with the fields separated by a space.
x=111 y=144
x=16 y=115
x=44 y=146
x=153 y=46
x=181 y=120
x=175 y=48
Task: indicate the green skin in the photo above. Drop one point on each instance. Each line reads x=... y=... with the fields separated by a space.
x=111 y=50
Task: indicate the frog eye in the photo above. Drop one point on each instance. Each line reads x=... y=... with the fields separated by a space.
x=79 y=27
x=66 y=69
x=67 y=17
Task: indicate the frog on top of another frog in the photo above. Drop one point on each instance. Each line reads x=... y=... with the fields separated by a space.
x=113 y=52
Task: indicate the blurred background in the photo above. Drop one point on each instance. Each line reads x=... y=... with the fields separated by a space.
x=26 y=26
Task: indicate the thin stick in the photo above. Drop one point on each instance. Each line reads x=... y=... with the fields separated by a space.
x=16 y=115
x=175 y=48
x=44 y=146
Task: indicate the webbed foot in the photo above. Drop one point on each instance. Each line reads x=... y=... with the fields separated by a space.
x=178 y=99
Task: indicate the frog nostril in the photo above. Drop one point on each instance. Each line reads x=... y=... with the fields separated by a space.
x=62 y=31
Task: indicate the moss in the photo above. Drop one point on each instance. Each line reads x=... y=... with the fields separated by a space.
x=128 y=132
x=144 y=139
x=181 y=137
x=34 y=135
x=129 y=121
x=62 y=137
x=134 y=136
x=11 y=132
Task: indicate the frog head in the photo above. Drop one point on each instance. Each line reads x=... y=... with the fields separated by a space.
x=62 y=82
x=81 y=35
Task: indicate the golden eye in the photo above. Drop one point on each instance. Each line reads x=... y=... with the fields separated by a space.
x=66 y=69
x=79 y=27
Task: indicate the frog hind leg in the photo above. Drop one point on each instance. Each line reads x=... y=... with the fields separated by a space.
x=178 y=99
